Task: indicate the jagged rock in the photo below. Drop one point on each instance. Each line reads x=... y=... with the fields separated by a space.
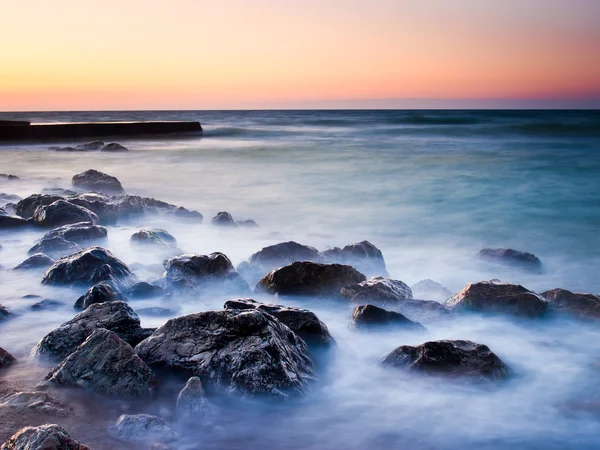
x=156 y=311
x=114 y=147
x=4 y=313
x=34 y=401
x=248 y=223
x=576 y=304
x=131 y=206
x=99 y=293
x=183 y=213
x=309 y=278
x=102 y=206
x=114 y=316
x=59 y=191
x=36 y=261
x=87 y=267
x=6 y=359
x=26 y=207
x=365 y=316
x=78 y=232
x=11 y=221
x=367 y=258
x=301 y=321
x=192 y=404
x=61 y=213
x=497 y=297
x=145 y=290
x=245 y=352
x=44 y=437
x=154 y=235
x=431 y=290
x=194 y=272
x=223 y=219
x=45 y=304
x=377 y=289
x=97 y=181
x=141 y=428
x=91 y=146
x=455 y=359
x=510 y=257
x=55 y=246
x=106 y=364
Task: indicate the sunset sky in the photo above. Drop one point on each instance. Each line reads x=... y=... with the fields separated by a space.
x=196 y=54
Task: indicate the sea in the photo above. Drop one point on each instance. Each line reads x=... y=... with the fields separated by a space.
x=430 y=188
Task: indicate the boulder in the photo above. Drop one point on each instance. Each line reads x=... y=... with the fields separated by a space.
x=367 y=258
x=44 y=437
x=145 y=290
x=248 y=223
x=6 y=359
x=140 y=428
x=59 y=191
x=34 y=401
x=4 y=313
x=454 y=359
x=223 y=219
x=510 y=257
x=307 y=278
x=114 y=147
x=78 y=232
x=154 y=235
x=36 y=261
x=245 y=352
x=99 y=293
x=8 y=198
x=46 y=304
x=377 y=289
x=107 y=212
x=91 y=146
x=431 y=290
x=55 y=246
x=62 y=212
x=106 y=364
x=26 y=207
x=6 y=176
x=11 y=221
x=497 y=297
x=576 y=304
x=365 y=316
x=132 y=206
x=87 y=267
x=301 y=321
x=192 y=405
x=95 y=180
x=114 y=316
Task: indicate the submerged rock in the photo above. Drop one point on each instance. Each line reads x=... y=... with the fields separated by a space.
x=510 y=257
x=102 y=206
x=131 y=206
x=105 y=364
x=44 y=437
x=377 y=289
x=497 y=297
x=301 y=321
x=141 y=428
x=192 y=404
x=91 y=146
x=455 y=359
x=62 y=212
x=245 y=352
x=309 y=278
x=26 y=207
x=114 y=147
x=97 y=181
x=145 y=290
x=224 y=219
x=11 y=221
x=248 y=223
x=78 y=232
x=8 y=198
x=576 y=304
x=6 y=359
x=55 y=246
x=37 y=261
x=99 y=293
x=365 y=316
x=431 y=290
x=46 y=304
x=4 y=313
x=367 y=258
x=153 y=236
x=34 y=401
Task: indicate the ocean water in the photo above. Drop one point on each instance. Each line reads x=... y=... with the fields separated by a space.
x=430 y=189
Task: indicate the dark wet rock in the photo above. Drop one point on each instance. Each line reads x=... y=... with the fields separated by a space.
x=377 y=289
x=61 y=213
x=114 y=316
x=455 y=359
x=4 y=313
x=145 y=290
x=497 y=297
x=309 y=278
x=192 y=404
x=141 y=428
x=87 y=267
x=364 y=256
x=91 y=146
x=132 y=206
x=95 y=180
x=59 y=191
x=365 y=316
x=6 y=359
x=510 y=257
x=106 y=364
x=107 y=212
x=248 y=223
x=46 y=304
x=301 y=321
x=26 y=207
x=36 y=261
x=78 y=232
x=114 y=147
x=224 y=219
x=183 y=213
x=6 y=176
x=67 y=149
x=156 y=237
x=34 y=401
x=576 y=304
x=8 y=198
x=156 y=311
x=11 y=221
x=44 y=437
x=194 y=272
x=99 y=293
x=55 y=246
x=245 y=352
x=431 y=290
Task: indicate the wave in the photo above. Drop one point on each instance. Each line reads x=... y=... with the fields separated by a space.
x=420 y=119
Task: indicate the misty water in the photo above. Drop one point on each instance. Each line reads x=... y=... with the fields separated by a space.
x=430 y=189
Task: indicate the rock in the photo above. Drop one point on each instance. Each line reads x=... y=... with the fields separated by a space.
x=6 y=176
x=576 y=304
x=44 y=437
x=422 y=310
x=248 y=223
x=193 y=272
x=182 y=213
x=8 y=198
x=365 y=316
x=91 y=146
x=99 y=293
x=223 y=219
x=510 y=257
x=497 y=297
x=141 y=428
x=10 y=221
x=192 y=404
x=301 y=321
x=4 y=313
x=62 y=212
x=59 y=191
x=6 y=359
x=26 y=207
x=430 y=290
x=78 y=232
x=155 y=311
x=46 y=304
x=114 y=147
x=145 y=290
x=153 y=237
x=367 y=258
x=114 y=316
x=377 y=289
x=97 y=181
x=106 y=364
x=55 y=246
x=87 y=267
x=34 y=401
x=131 y=206
x=309 y=278
x=245 y=352
x=36 y=261
x=454 y=359
x=107 y=212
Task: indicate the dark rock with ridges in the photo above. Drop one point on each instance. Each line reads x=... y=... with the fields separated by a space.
x=99 y=293
x=91 y=146
x=26 y=207
x=153 y=236
x=365 y=316
x=377 y=289
x=55 y=246
x=11 y=221
x=145 y=290
x=102 y=206
x=223 y=219
x=510 y=257
x=114 y=147
x=44 y=437
x=97 y=181
x=6 y=359
x=576 y=304
x=367 y=258
x=36 y=261
x=61 y=213
x=78 y=232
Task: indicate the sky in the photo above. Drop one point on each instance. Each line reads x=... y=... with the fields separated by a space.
x=262 y=54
